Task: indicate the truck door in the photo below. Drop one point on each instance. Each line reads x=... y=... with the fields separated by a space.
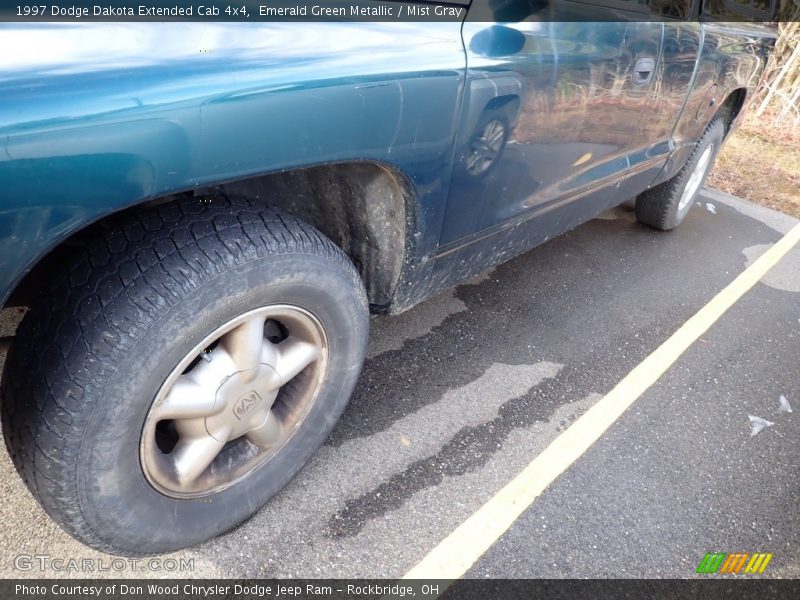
x=552 y=109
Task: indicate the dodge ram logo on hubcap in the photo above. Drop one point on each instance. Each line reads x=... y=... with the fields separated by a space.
x=245 y=403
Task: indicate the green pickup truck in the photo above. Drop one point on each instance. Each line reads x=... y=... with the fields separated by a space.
x=201 y=217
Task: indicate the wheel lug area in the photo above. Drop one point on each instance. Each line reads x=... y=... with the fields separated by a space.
x=242 y=399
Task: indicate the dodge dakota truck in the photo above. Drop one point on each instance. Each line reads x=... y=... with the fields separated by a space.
x=202 y=216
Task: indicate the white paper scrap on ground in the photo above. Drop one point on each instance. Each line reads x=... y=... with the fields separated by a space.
x=757 y=424
x=784 y=404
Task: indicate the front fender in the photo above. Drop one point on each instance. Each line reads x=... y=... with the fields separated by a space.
x=95 y=118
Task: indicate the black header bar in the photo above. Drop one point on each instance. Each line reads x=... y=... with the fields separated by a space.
x=758 y=11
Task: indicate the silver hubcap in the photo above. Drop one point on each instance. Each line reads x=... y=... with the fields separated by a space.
x=233 y=401
x=693 y=185
x=486 y=148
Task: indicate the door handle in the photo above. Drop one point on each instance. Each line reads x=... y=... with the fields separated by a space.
x=643 y=70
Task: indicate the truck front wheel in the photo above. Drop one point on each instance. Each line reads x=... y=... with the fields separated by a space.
x=667 y=204
x=181 y=368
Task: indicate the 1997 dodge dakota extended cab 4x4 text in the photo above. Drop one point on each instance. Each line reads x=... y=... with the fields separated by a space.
x=201 y=217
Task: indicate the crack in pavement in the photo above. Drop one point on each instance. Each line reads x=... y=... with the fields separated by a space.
x=469 y=449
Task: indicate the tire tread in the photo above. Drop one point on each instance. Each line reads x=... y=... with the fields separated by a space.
x=657 y=207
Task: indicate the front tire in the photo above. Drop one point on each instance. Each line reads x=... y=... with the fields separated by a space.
x=258 y=315
x=666 y=205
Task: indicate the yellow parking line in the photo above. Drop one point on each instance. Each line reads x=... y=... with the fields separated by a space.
x=456 y=553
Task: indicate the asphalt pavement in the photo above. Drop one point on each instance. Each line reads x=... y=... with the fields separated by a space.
x=459 y=394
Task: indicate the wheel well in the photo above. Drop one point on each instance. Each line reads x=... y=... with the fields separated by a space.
x=731 y=107
x=362 y=207
x=509 y=102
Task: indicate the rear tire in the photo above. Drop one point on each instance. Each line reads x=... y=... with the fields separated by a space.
x=486 y=146
x=116 y=322
x=666 y=205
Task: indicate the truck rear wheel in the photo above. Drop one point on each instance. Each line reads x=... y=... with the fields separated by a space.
x=487 y=144
x=667 y=204
x=181 y=368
